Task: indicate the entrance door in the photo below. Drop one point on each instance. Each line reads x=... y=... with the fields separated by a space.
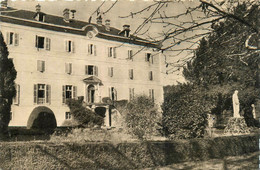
x=91 y=94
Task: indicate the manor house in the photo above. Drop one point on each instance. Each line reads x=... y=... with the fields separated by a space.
x=60 y=57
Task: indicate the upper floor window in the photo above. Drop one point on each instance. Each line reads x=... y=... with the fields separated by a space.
x=149 y=58
x=16 y=99
x=110 y=71
x=12 y=38
x=42 y=93
x=40 y=65
x=112 y=52
x=131 y=74
x=68 y=92
x=151 y=94
x=130 y=54
x=92 y=49
x=91 y=70
x=131 y=93
x=112 y=93
x=42 y=42
x=150 y=75
x=68 y=68
x=70 y=47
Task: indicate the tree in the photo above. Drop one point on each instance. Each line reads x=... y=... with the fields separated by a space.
x=7 y=87
x=141 y=117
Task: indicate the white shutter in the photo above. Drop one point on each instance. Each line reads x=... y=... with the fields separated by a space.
x=95 y=50
x=109 y=92
x=86 y=69
x=74 y=92
x=72 y=46
x=95 y=70
x=70 y=68
x=63 y=94
x=48 y=44
x=114 y=52
x=7 y=38
x=108 y=52
x=36 y=41
x=48 y=94
x=43 y=65
x=16 y=39
x=112 y=72
x=89 y=49
x=66 y=45
x=39 y=65
x=35 y=93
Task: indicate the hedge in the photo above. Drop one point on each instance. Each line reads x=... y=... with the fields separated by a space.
x=46 y=155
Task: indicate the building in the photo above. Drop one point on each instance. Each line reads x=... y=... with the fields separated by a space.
x=59 y=57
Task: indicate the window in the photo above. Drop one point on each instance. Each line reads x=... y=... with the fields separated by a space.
x=12 y=38
x=130 y=55
x=42 y=93
x=150 y=75
x=92 y=49
x=40 y=17
x=112 y=93
x=131 y=74
x=40 y=65
x=11 y=115
x=42 y=42
x=110 y=71
x=70 y=47
x=149 y=58
x=68 y=68
x=68 y=115
x=16 y=99
x=151 y=94
x=91 y=70
x=131 y=93
x=112 y=52
x=68 y=92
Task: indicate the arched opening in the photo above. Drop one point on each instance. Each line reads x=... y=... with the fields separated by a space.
x=42 y=118
x=91 y=94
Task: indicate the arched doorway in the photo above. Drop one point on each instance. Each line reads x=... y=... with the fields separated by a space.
x=91 y=94
x=42 y=118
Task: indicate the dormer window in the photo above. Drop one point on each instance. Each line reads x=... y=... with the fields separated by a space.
x=39 y=16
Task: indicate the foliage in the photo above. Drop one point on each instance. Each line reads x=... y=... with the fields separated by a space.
x=7 y=87
x=185 y=110
x=83 y=115
x=141 y=117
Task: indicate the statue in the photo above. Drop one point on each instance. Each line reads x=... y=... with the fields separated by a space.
x=235 y=105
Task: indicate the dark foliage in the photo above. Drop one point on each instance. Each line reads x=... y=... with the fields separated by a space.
x=83 y=115
x=7 y=87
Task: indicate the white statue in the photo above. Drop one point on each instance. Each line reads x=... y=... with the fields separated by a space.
x=235 y=104
x=253 y=111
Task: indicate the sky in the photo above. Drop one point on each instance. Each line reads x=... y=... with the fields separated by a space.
x=84 y=9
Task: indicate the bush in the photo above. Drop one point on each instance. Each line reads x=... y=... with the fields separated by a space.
x=141 y=117
x=82 y=115
x=185 y=110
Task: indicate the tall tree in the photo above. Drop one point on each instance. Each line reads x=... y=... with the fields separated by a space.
x=7 y=87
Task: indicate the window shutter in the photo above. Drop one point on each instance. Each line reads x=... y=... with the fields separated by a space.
x=114 y=52
x=133 y=93
x=95 y=70
x=16 y=39
x=108 y=52
x=63 y=94
x=95 y=50
x=115 y=94
x=43 y=66
x=146 y=58
x=112 y=71
x=66 y=45
x=74 y=92
x=48 y=44
x=86 y=70
x=130 y=74
x=152 y=59
x=130 y=94
x=89 y=49
x=70 y=68
x=109 y=74
x=72 y=46
x=36 y=42
x=150 y=75
x=7 y=37
x=35 y=93
x=48 y=94
x=109 y=92
x=39 y=65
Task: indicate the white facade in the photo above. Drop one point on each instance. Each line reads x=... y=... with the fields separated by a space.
x=61 y=65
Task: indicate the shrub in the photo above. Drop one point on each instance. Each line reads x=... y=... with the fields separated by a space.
x=82 y=115
x=141 y=117
x=185 y=110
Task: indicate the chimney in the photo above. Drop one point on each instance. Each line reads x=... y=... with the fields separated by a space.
x=66 y=15
x=107 y=24
x=73 y=11
x=99 y=20
x=3 y=4
x=126 y=29
x=38 y=8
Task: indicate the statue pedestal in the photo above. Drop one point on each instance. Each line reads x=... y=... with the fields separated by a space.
x=236 y=126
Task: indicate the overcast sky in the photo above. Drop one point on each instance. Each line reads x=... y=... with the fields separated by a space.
x=122 y=8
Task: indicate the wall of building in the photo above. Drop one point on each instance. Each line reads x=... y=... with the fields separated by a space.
x=25 y=56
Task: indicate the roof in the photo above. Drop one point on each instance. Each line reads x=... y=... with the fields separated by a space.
x=57 y=23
